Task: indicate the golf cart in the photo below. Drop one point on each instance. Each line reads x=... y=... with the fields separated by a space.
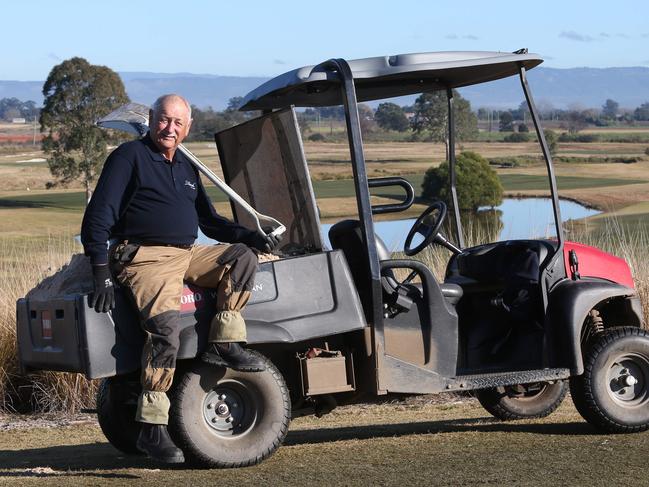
x=512 y=320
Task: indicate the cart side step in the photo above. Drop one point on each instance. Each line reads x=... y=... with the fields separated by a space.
x=486 y=381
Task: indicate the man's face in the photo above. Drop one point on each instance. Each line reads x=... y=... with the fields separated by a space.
x=170 y=126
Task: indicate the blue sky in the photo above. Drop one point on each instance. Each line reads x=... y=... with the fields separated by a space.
x=266 y=38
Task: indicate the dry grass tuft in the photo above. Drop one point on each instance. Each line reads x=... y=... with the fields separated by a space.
x=23 y=263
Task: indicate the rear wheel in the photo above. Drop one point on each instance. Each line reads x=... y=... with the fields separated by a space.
x=613 y=392
x=224 y=418
x=526 y=401
x=116 y=406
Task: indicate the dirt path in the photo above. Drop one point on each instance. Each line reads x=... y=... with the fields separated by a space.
x=420 y=444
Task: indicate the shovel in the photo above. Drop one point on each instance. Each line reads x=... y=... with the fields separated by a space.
x=133 y=118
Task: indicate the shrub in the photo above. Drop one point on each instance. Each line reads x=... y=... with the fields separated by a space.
x=552 y=140
x=517 y=137
x=566 y=137
x=477 y=184
x=317 y=137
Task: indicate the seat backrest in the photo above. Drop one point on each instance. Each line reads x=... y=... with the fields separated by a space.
x=346 y=235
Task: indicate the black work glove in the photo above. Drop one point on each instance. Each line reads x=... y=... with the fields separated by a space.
x=263 y=242
x=103 y=298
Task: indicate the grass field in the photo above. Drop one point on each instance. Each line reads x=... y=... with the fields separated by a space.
x=451 y=444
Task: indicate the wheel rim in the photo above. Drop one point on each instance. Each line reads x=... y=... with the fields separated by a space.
x=627 y=380
x=230 y=409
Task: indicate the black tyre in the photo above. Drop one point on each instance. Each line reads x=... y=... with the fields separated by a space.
x=526 y=401
x=116 y=406
x=223 y=418
x=613 y=392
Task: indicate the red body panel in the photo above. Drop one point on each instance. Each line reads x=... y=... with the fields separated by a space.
x=596 y=263
x=194 y=297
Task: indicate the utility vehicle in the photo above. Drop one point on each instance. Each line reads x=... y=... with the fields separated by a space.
x=513 y=320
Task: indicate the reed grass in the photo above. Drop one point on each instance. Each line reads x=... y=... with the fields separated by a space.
x=23 y=263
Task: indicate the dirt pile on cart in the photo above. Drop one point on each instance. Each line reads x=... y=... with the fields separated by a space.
x=73 y=278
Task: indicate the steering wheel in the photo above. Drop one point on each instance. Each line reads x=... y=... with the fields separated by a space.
x=428 y=230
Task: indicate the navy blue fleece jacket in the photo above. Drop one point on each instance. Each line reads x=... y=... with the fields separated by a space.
x=141 y=196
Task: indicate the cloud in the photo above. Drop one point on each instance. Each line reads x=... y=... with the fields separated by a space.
x=54 y=56
x=575 y=36
x=623 y=36
x=470 y=37
x=279 y=61
x=604 y=34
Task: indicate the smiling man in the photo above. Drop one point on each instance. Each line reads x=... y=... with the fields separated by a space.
x=150 y=200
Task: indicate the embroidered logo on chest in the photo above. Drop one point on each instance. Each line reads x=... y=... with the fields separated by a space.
x=190 y=184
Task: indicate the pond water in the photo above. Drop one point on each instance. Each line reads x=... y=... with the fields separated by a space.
x=515 y=218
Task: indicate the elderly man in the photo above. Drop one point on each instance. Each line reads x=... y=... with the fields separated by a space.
x=150 y=200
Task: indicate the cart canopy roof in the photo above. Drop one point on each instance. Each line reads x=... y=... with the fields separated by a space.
x=387 y=77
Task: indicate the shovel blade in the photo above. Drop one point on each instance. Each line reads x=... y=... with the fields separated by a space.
x=132 y=118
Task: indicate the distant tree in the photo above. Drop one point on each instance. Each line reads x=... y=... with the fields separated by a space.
x=207 y=122
x=12 y=113
x=77 y=94
x=234 y=103
x=477 y=184
x=335 y=113
x=523 y=112
x=29 y=110
x=431 y=114
x=642 y=112
x=523 y=127
x=11 y=108
x=506 y=123
x=483 y=113
x=390 y=116
x=610 y=109
x=466 y=122
x=574 y=121
x=366 y=118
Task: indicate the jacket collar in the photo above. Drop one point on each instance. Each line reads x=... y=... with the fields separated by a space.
x=155 y=153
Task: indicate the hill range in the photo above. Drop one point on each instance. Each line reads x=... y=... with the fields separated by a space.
x=558 y=88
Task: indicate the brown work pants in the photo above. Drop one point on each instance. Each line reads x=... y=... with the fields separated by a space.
x=155 y=277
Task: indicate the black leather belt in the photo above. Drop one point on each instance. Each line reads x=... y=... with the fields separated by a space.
x=161 y=244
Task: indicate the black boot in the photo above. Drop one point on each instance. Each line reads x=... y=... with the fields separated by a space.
x=233 y=356
x=154 y=440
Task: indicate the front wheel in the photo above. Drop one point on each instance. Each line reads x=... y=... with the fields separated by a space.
x=613 y=392
x=526 y=401
x=224 y=418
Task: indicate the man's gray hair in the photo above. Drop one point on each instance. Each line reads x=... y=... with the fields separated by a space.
x=157 y=105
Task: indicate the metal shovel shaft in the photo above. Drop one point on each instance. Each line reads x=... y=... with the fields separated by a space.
x=134 y=118
x=278 y=228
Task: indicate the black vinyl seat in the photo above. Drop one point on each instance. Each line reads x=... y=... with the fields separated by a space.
x=346 y=235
